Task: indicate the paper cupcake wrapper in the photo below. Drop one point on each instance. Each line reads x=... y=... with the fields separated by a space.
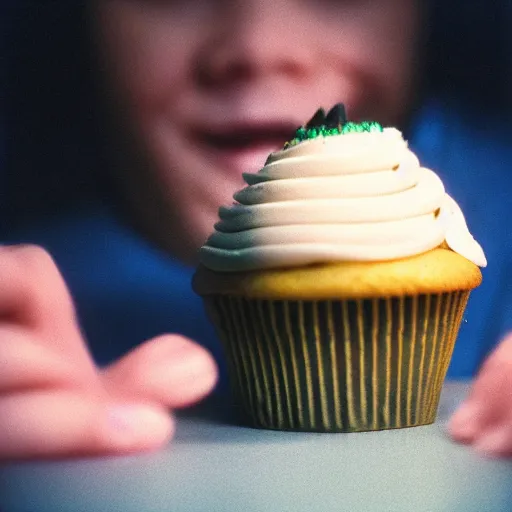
x=338 y=366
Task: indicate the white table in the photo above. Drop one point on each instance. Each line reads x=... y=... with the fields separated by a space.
x=215 y=466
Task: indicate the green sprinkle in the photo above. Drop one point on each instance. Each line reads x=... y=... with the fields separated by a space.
x=303 y=134
x=365 y=126
x=312 y=132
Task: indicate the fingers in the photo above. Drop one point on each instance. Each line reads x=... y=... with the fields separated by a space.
x=33 y=295
x=170 y=370
x=26 y=363
x=484 y=420
x=45 y=412
x=54 y=402
x=54 y=423
x=31 y=287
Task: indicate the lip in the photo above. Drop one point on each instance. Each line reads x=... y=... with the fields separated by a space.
x=243 y=147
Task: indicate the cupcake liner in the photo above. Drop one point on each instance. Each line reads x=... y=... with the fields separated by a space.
x=338 y=365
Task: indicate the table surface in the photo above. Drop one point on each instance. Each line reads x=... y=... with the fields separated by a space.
x=213 y=465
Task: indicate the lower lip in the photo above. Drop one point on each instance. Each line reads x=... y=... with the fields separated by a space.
x=247 y=160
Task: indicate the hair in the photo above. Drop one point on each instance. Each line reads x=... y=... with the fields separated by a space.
x=53 y=140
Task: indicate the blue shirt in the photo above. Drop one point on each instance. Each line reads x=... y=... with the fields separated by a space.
x=127 y=291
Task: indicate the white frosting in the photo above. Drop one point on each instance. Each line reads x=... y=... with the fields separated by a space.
x=352 y=197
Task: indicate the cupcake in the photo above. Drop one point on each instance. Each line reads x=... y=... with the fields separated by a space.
x=337 y=282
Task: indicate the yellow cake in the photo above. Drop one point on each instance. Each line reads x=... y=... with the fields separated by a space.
x=435 y=271
x=337 y=282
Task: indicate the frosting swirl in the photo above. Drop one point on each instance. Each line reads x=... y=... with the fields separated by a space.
x=350 y=197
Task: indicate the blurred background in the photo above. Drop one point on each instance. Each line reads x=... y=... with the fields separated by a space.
x=51 y=144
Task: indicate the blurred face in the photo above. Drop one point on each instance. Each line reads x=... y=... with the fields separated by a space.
x=209 y=87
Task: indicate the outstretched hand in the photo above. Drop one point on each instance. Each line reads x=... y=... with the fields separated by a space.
x=54 y=401
x=484 y=420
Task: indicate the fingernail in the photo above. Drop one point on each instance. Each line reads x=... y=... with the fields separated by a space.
x=137 y=426
x=463 y=423
x=191 y=365
x=195 y=369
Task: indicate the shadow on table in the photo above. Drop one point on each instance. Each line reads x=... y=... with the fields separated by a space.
x=217 y=422
x=221 y=421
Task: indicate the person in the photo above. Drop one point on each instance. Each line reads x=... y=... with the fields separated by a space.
x=195 y=94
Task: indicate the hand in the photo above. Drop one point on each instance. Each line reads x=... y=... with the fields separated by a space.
x=485 y=418
x=54 y=401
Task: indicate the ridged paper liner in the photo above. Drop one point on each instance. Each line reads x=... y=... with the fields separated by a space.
x=338 y=366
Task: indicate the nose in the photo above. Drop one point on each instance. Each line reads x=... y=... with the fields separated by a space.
x=256 y=38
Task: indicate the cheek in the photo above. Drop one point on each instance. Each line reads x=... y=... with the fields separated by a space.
x=153 y=74
x=373 y=55
x=147 y=60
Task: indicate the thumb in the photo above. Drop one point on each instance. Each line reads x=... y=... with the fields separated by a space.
x=170 y=370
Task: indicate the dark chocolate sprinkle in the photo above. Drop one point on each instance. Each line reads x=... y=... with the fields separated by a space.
x=336 y=117
x=317 y=120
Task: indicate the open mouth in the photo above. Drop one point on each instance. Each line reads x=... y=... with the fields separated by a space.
x=243 y=148
x=246 y=139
